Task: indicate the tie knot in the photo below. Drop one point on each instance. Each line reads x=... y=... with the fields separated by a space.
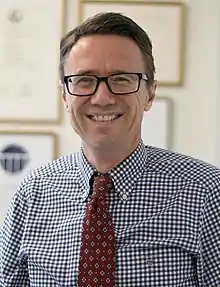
x=101 y=185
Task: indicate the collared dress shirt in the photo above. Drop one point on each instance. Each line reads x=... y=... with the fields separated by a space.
x=166 y=215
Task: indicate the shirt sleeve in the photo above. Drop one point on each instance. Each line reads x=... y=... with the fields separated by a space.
x=209 y=263
x=13 y=272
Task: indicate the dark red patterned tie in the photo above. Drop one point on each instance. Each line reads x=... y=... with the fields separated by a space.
x=97 y=253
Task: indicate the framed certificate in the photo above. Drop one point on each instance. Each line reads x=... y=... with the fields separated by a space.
x=21 y=152
x=29 y=60
x=164 y=22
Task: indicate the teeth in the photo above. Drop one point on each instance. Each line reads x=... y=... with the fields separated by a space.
x=104 y=118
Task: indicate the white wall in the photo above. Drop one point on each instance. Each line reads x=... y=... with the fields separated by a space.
x=196 y=114
x=217 y=161
x=195 y=121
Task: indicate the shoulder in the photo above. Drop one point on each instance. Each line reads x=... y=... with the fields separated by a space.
x=56 y=166
x=185 y=167
x=52 y=171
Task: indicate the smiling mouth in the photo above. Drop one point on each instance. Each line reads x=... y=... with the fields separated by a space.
x=104 y=118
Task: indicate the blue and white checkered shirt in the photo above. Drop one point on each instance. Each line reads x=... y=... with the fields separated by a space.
x=166 y=215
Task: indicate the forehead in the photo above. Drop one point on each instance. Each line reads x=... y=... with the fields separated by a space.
x=104 y=54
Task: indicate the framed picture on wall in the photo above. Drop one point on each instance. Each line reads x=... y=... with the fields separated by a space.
x=157 y=124
x=29 y=61
x=163 y=21
x=21 y=152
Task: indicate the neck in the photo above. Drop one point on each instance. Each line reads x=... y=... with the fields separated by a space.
x=106 y=159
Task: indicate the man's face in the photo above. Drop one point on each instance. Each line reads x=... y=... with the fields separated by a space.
x=103 y=55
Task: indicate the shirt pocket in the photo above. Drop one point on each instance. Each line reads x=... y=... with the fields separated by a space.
x=155 y=266
x=156 y=253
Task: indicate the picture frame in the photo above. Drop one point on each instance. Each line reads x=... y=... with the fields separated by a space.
x=29 y=59
x=157 y=124
x=165 y=24
x=20 y=153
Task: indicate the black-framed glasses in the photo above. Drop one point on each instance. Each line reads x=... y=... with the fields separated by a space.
x=118 y=84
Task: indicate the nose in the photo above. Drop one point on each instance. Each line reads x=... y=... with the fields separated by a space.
x=103 y=97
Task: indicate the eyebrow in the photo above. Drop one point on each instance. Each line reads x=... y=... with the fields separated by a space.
x=93 y=72
x=84 y=72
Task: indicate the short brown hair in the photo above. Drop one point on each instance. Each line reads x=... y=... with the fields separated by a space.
x=110 y=24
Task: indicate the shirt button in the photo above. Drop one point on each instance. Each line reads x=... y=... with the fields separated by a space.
x=150 y=262
x=124 y=196
x=84 y=194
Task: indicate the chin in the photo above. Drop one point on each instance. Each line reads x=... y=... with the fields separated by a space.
x=102 y=144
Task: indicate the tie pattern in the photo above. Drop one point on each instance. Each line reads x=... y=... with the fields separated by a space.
x=97 y=253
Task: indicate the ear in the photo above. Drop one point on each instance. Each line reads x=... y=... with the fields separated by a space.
x=63 y=96
x=65 y=104
x=150 y=97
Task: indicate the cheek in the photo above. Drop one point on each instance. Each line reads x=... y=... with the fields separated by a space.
x=72 y=104
x=133 y=112
x=71 y=107
x=138 y=107
x=76 y=108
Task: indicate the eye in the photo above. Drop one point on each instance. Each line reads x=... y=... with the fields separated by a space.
x=123 y=79
x=82 y=80
x=120 y=79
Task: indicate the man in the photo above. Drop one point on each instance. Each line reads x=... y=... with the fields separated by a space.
x=162 y=208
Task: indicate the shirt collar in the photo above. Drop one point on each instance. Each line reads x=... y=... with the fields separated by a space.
x=124 y=175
